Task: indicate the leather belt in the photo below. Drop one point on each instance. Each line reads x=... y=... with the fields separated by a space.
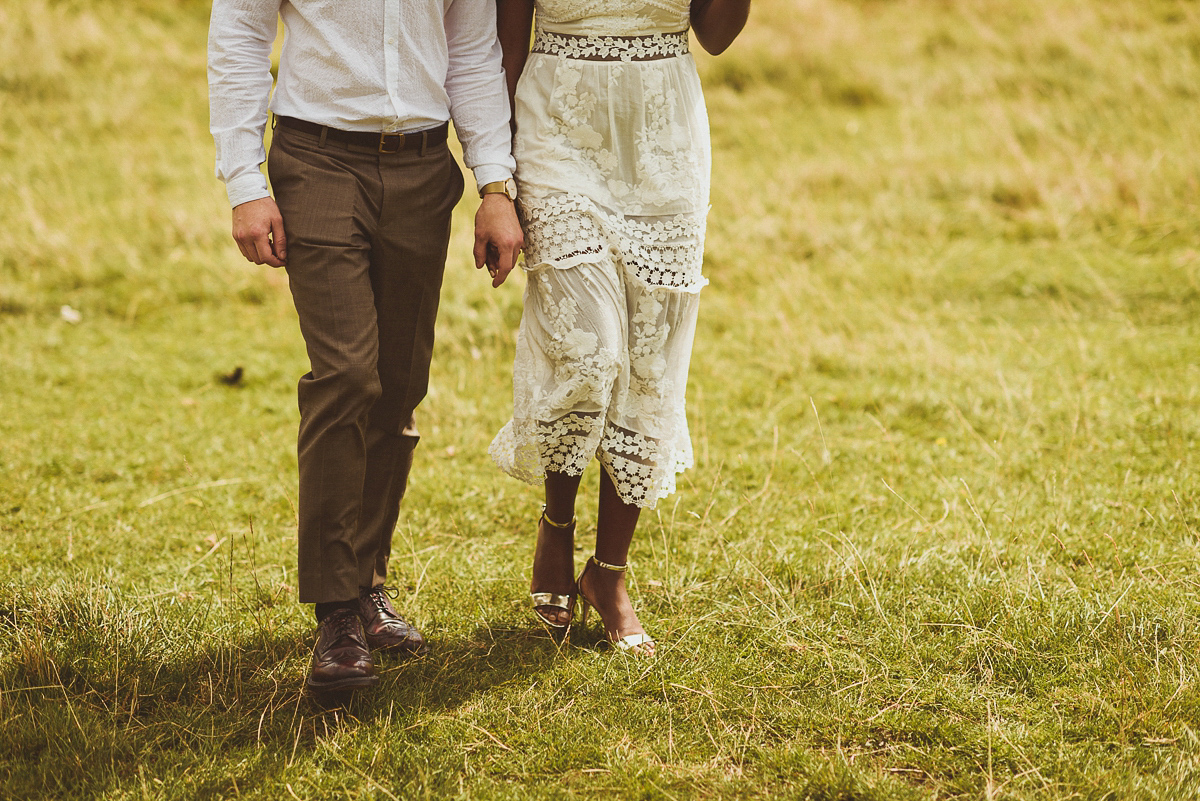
x=380 y=142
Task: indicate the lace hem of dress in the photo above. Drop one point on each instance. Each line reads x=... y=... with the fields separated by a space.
x=652 y=47
x=642 y=468
x=564 y=231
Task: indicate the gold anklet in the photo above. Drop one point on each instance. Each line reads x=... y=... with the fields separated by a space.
x=552 y=524
x=607 y=566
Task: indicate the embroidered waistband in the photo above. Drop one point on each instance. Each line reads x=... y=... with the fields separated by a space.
x=612 y=48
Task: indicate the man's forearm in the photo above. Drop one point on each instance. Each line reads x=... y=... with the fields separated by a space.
x=241 y=34
x=475 y=86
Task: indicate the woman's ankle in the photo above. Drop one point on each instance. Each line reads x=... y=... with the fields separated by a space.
x=553 y=560
x=603 y=583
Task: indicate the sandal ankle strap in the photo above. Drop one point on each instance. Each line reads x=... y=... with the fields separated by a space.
x=607 y=566
x=559 y=526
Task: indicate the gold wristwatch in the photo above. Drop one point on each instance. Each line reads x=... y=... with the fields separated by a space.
x=507 y=188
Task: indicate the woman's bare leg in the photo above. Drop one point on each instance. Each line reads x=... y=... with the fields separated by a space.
x=561 y=490
x=605 y=589
x=554 y=554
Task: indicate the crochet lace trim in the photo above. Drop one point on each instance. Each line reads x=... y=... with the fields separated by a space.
x=612 y=48
x=642 y=468
x=565 y=230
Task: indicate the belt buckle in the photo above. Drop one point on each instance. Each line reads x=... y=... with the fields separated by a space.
x=383 y=143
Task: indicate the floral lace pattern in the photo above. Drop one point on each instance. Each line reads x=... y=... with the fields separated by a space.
x=642 y=469
x=660 y=167
x=614 y=17
x=612 y=48
x=641 y=465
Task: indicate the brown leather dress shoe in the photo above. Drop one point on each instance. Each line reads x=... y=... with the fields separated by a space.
x=341 y=660
x=385 y=629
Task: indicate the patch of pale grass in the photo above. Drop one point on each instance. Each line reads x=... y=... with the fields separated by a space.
x=109 y=202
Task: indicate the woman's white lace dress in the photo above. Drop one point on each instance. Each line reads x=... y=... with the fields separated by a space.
x=612 y=154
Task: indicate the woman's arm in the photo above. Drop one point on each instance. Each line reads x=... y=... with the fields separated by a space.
x=514 y=21
x=718 y=22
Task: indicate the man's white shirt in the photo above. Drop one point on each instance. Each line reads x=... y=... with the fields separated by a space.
x=390 y=66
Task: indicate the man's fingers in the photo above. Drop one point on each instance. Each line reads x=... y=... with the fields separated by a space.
x=245 y=253
x=505 y=258
x=499 y=275
x=498 y=237
x=249 y=247
x=258 y=231
x=480 y=252
x=266 y=251
x=243 y=240
x=506 y=262
x=279 y=239
x=265 y=246
x=262 y=249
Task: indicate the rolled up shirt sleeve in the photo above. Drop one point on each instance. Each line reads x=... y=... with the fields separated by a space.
x=241 y=34
x=477 y=90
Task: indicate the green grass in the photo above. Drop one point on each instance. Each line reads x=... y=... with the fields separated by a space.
x=941 y=538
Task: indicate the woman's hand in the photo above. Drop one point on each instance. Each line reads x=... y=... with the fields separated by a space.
x=718 y=22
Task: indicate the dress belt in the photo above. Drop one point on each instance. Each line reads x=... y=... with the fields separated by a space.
x=382 y=142
x=650 y=47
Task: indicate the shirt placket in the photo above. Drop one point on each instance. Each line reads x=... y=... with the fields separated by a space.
x=391 y=57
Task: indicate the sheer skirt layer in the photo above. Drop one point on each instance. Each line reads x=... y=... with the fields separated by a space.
x=613 y=171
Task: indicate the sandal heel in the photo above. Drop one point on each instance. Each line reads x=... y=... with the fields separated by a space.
x=639 y=644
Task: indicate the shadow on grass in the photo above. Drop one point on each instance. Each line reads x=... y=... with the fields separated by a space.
x=94 y=687
x=451 y=673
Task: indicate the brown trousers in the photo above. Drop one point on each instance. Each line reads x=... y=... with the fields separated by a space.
x=367 y=235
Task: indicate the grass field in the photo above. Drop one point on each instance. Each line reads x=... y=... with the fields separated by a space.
x=941 y=540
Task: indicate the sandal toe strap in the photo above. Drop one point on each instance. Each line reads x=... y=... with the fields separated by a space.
x=551 y=599
x=630 y=641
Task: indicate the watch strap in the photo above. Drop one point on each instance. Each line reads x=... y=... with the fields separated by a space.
x=498 y=188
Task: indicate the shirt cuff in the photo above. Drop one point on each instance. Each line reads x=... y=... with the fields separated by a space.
x=245 y=188
x=489 y=173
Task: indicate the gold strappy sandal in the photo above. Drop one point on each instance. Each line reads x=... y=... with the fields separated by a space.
x=550 y=599
x=640 y=644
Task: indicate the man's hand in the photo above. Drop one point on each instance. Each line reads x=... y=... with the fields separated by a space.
x=258 y=231
x=498 y=237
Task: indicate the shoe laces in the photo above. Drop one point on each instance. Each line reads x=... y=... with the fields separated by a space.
x=379 y=596
x=342 y=623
